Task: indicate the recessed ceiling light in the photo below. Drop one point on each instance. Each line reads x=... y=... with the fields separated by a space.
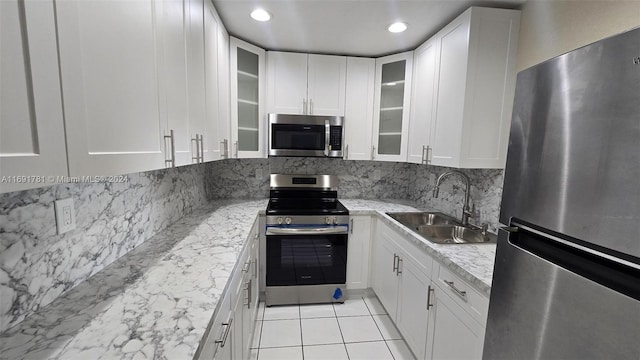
x=260 y=15
x=397 y=27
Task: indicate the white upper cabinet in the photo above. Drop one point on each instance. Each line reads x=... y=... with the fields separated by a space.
x=326 y=77
x=306 y=84
x=476 y=83
x=31 y=121
x=224 y=117
x=423 y=101
x=196 y=78
x=392 y=102
x=358 y=114
x=212 y=149
x=248 y=120
x=110 y=86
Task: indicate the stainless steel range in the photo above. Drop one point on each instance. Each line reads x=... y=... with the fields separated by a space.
x=306 y=240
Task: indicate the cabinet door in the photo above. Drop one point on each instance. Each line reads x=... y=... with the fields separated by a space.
x=392 y=102
x=447 y=129
x=32 y=139
x=172 y=76
x=109 y=81
x=385 y=279
x=412 y=313
x=358 y=252
x=423 y=99
x=326 y=78
x=359 y=108
x=224 y=118
x=237 y=344
x=287 y=83
x=212 y=146
x=196 y=78
x=452 y=333
x=248 y=122
x=216 y=345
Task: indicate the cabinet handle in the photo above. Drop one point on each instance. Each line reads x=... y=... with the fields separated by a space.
x=346 y=152
x=223 y=341
x=373 y=152
x=224 y=151
x=425 y=151
x=429 y=291
x=255 y=268
x=235 y=144
x=172 y=147
x=351 y=227
x=310 y=106
x=399 y=266
x=246 y=266
x=201 y=148
x=429 y=151
x=394 y=262
x=197 y=155
x=304 y=106
x=461 y=293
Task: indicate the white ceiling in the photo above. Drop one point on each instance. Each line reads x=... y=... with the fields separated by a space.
x=343 y=27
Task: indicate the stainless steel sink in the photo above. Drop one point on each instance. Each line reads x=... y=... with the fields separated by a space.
x=441 y=229
x=413 y=219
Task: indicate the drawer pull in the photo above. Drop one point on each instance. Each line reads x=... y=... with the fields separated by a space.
x=223 y=341
x=395 y=267
x=246 y=266
x=461 y=293
x=429 y=291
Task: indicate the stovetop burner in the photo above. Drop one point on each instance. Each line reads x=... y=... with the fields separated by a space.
x=304 y=195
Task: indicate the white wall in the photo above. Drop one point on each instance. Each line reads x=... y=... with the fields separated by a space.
x=552 y=27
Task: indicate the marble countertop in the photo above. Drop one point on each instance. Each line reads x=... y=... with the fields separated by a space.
x=156 y=301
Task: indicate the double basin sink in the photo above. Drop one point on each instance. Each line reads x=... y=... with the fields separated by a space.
x=441 y=229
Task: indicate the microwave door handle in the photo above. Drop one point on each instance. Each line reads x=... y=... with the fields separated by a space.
x=327 y=138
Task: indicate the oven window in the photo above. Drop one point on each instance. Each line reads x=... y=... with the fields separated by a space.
x=298 y=137
x=306 y=260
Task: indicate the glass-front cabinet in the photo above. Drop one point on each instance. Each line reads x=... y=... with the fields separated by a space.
x=247 y=104
x=392 y=96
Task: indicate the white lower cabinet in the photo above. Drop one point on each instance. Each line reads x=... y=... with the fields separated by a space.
x=358 y=252
x=229 y=337
x=439 y=315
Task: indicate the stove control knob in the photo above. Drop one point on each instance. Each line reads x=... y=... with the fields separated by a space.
x=287 y=220
x=279 y=221
x=335 y=220
x=327 y=220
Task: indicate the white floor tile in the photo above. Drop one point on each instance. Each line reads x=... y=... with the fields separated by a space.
x=278 y=333
x=359 y=328
x=253 y=354
x=369 y=351
x=374 y=305
x=282 y=353
x=255 y=343
x=282 y=312
x=400 y=350
x=351 y=307
x=320 y=331
x=325 y=352
x=386 y=327
x=316 y=311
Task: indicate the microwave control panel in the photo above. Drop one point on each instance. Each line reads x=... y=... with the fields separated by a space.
x=335 y=138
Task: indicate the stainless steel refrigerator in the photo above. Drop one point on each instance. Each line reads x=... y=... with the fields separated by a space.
x=566 y=283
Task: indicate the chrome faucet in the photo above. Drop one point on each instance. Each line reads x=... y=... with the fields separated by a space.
x=466 y=211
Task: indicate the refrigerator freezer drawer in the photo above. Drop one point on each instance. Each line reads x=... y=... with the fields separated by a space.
x=542 y=310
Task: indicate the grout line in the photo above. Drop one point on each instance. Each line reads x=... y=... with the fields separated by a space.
x=301 y=338
x=380 y=331
x=341 y=335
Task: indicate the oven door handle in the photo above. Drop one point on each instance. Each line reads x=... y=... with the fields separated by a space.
x=307 y=231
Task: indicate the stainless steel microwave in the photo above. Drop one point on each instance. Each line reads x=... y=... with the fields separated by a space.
x=305 y=135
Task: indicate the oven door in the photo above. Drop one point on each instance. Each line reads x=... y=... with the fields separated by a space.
x=306 y=256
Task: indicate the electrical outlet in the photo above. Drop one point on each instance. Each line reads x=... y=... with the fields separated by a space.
x=65 y=215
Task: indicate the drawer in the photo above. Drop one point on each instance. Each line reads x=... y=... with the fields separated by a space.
x=470 y=299
x=419 y=256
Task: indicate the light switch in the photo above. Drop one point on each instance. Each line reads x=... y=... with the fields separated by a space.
x=65 y=215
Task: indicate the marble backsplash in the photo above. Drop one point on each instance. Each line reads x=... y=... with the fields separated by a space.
x=37 y=265
x=249 y=179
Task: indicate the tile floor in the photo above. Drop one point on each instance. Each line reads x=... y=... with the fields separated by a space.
x=357 y=329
